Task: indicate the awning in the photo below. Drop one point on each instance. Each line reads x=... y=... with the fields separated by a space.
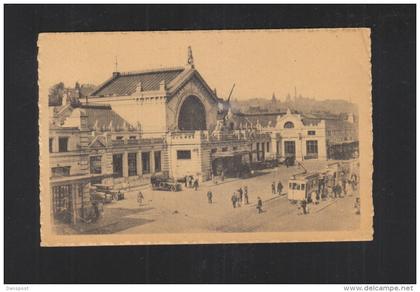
x=76 y=179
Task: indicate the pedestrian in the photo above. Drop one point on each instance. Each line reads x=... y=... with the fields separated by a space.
x=273 y=188
x=279 y=188
x=344 y=183
x=196 y=184
x=315 y=197
x=357 y=206
x=222 y=175
x=304 y=205
x=259 y=205
x=240 y=191
x=140 y=198
x=186 y=181
x=210 y=197
x=96 y=211
x=354 y=182
x=339 y=190
x=246 y=195
x=233 y=199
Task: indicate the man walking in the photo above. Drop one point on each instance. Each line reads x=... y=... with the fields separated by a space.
x=210 y=197
x=279 y=188
x=240 y=195
x=233 y=199
x=140 y=198
x=259 y=205
x=344 y=184
x=273 y=188
x=196 y=184
x=304 y=206
x=246 y=195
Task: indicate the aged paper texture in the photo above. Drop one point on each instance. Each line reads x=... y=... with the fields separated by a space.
x=247 y=136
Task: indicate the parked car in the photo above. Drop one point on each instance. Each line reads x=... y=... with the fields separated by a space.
x=101 y=197
x=108 y=193
x=164 y=183
x=264 y=164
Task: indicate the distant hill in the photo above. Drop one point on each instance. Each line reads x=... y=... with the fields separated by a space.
x=300 y=104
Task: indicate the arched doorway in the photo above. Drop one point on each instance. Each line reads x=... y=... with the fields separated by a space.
x=192 y=115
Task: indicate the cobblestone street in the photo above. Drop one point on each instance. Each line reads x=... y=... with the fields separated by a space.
x=189 y=211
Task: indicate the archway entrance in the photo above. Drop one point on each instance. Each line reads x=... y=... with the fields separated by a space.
x=192 y=115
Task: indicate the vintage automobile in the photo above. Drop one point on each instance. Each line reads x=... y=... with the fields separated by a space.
x=164 y=183
x=264 y=164
x=288 y=161
x=107 y=193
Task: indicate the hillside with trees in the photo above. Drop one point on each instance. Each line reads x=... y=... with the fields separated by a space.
x=299 y=104
x=59 y=94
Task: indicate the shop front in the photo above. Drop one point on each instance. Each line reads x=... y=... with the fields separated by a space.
x=232 y=164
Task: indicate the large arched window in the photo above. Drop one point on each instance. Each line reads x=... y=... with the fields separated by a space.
x=289 y=125
x=192 y=115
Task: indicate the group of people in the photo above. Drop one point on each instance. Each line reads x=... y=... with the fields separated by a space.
x=191 y=182
x=334 y=187
x=342 y=187
x=277 y=190
x=240 y=197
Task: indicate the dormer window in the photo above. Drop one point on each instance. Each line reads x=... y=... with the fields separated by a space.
x=289 y=125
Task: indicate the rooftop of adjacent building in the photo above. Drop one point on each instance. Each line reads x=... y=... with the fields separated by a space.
x=98 y=117
x=267 y=119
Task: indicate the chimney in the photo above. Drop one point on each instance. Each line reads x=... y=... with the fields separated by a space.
x=162 y=85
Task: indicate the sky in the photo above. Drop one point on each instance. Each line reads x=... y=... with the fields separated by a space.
x=321 y=63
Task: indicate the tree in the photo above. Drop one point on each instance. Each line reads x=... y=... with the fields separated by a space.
x=86 y=89
x=56 y=94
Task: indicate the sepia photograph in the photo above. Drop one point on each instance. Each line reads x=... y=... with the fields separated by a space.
x=205 y=136
x=209 y=144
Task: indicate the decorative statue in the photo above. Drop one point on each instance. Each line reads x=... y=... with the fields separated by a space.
x=190 y=57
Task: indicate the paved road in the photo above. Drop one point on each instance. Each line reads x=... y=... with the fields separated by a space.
x=189 y=211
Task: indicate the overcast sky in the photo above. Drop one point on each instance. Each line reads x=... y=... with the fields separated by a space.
x=324 y=64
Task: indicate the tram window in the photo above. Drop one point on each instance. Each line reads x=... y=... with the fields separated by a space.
x=302 y=186
x=290 y=186
x=298 y=187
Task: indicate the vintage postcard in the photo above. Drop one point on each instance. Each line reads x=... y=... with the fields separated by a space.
x=191 y=137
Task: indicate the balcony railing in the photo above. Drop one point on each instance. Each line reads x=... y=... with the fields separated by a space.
x=146 y=141
x=117 y=142
x=133 y=141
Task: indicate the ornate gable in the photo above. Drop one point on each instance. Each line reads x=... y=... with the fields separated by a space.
x=192 y=85
x=98 y=142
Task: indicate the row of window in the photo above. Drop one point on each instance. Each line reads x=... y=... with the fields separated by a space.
x=311 y=147
x=118 y=165
x=264 y=145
